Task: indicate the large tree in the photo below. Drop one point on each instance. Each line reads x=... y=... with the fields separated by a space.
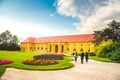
x=115 y=28
x=8 y=41
x=112 y=32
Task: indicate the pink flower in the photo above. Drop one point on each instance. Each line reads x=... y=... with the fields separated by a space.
x=5 y=62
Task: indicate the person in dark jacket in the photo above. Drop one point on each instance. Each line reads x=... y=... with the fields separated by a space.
x=82 y=57
x=86 y=57
x=75 y=55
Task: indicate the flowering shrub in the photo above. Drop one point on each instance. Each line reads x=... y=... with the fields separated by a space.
x=61 y=54
x=49 y=56
x=5 y=62
x=40 y=62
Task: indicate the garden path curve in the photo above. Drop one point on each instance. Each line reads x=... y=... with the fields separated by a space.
x=94 y=70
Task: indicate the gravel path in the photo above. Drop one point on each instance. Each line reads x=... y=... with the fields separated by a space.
x=94 y=70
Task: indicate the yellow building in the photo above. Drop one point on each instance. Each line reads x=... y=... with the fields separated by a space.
x=59 y=44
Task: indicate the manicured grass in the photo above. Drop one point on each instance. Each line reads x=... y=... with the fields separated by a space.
x=18 y=57
x=101 y=59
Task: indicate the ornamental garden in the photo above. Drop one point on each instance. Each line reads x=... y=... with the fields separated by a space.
x=48 y=53
x=33 y=61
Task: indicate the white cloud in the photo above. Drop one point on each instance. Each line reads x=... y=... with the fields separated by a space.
x=93 y=15
x=65 y=7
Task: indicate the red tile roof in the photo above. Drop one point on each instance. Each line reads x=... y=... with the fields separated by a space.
x=68 y=38
x=29 y=39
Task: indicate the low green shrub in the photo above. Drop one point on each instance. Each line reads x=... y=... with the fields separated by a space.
x=109 y=50
x=115 y=56
x=92 y=54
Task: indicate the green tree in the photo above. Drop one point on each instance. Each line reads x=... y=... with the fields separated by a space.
x=109 y=49
x=104 y=48
x=113 y=32
x=115 y=28
x=115 y=54
x=8 y=41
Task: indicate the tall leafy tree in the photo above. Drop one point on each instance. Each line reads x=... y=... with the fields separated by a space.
x=8 y=41
x=112 y=32
x=115 y=28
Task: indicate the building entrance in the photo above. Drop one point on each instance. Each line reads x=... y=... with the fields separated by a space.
x=56 y=49
x=62 y=49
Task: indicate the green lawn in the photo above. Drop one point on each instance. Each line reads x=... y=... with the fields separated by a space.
x=101 y=59
x=18 y=57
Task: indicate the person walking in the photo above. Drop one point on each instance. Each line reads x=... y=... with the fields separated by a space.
x=86 y=57
x=82 y=57
x=75 y=56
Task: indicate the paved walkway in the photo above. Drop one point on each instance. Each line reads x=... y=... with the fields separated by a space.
x=94 y=70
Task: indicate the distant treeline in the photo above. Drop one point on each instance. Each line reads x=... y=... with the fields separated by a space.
x=8 y=41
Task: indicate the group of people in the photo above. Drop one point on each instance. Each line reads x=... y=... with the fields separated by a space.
x=75 y=54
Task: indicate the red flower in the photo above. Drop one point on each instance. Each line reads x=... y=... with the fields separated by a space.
x=37 y=62
x=61 y=54
x=26 y=62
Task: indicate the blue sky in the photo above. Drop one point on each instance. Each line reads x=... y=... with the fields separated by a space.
x=38 y=18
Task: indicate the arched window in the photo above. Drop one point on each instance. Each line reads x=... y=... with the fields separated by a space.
x=67 y=49
x=81 y=50
x=62 y=49
x=41 y=48
x=74 y=49
x=50 y=48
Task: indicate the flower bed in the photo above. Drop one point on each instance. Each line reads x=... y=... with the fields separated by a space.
x=5 y=62
x=40 y=62
x=49 y=56
x=61 y=54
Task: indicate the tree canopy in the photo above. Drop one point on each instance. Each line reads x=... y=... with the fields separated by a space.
x=8 y=41
x=108 y=41
x=112 y=32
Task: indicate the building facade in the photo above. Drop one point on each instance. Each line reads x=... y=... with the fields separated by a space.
x=59 y=44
